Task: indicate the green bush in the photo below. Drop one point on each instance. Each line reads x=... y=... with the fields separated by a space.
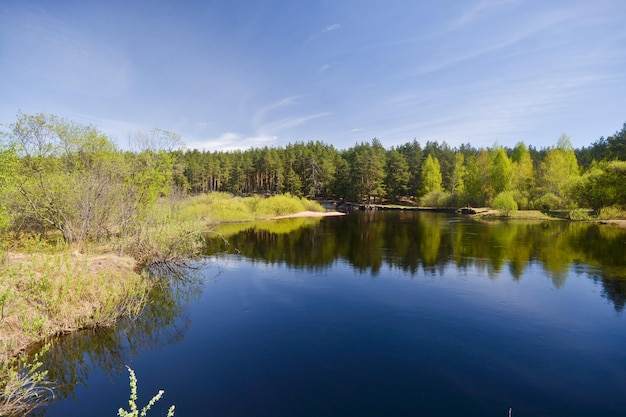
x=548 y=202
x=580 y=214
x=612 y=213
x=437 y=198
x=505 y=203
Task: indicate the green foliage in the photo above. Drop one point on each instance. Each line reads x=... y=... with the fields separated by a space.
x=580 y=215
x=67 y=177
x=548 y=202
x=398 y=174
x=8 y=166
x=500 y=170
x=224 y=207
x=457 y=180
x=23 y=384
x=505 y=203
x=601 y=186
x=437 y=198
x=431 y=175
x=132 y=401
x=476 y=179
x=523 y=175
x=559 y=171
x=612 y=212
x=366 y=164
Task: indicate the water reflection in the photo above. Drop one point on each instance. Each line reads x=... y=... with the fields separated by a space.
x=430 y=242
x=164 y=321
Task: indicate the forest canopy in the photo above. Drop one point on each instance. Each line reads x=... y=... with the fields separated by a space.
x=63 y=175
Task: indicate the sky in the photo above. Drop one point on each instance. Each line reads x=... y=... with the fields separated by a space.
x=238 y=74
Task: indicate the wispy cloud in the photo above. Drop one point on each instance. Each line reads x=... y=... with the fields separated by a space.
x=332 y=27
x=231 y=141
x=323 y=31
x=477 y=10
x=261 y=114
x=276 y=126
x=538 y=25
x=325 y=68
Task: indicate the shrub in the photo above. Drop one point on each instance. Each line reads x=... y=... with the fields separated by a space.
x=580 y=214
x=437 y=199
x=612 y=213
x=548 y=202
x=505 y=203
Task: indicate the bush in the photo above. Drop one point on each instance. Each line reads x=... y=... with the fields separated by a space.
x=505 y=203
x=548 y=202
x=437 y=199
x=580 y=214
x=612 y=213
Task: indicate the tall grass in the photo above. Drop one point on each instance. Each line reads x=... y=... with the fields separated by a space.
x=224 y=207
x=42 y=295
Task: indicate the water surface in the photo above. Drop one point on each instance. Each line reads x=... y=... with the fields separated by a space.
x=392 y=314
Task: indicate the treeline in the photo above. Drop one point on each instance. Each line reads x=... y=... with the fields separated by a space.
x=70 y=177
x=434 y=175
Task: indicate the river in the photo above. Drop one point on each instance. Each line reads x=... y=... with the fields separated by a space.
x=371 y=314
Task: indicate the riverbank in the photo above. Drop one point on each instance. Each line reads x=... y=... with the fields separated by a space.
x=51 y=288
x=45 y=294
x=51 y=291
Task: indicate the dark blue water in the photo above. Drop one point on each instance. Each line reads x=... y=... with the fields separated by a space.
x=267 y=338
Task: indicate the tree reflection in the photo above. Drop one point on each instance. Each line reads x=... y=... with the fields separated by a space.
x=430 y=243
x=163 y=321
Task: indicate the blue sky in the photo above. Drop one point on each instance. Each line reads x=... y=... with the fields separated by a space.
x=240 y=74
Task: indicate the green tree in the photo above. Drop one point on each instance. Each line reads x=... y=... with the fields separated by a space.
x=413 y=153
x=523 y=176
x=398 y=175
x=477 y=178
x=505 y=203
x=500 y=170
x=66 y=177
x=431 y=175
x=559 y=171
x=457 y=183
x=602 y=186
x=8 y=164
x=368 y=170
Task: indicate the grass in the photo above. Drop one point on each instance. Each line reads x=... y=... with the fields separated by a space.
x=224 y=208
x=43 y=295
x=47 y=294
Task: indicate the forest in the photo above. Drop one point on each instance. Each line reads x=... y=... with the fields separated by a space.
x=556 y=177
x=61 y=175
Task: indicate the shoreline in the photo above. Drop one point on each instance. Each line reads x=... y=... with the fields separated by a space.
x=27 y=320
x=308 y=214
x=112 y=271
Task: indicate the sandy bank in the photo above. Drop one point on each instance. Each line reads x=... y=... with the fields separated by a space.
x=310 y=214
